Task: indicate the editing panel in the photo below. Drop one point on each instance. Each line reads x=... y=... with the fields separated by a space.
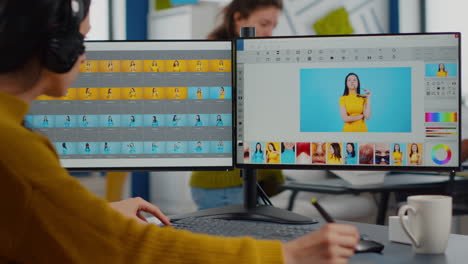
x=164 y=104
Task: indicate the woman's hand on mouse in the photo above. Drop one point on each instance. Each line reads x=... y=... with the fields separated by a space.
x=131 y=208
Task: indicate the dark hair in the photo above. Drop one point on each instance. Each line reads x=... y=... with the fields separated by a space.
x=353 y=153
x=273 y=145
x=26 y=26
x=394 y=148
x=442 y=65
x=336 y=149
x=283 y=147
x=411 y=149
x=64 y=145
x=258 y=150
x=346 y=90
x=245 y=8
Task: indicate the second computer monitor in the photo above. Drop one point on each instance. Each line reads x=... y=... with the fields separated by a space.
x=144 y=105
x=349 y=102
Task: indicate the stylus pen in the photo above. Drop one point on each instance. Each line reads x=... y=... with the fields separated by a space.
x=322 y=211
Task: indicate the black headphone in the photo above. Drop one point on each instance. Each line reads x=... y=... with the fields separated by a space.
x=65 y=42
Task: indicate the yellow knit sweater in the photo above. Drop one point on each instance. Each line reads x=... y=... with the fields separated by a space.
x=48 y=217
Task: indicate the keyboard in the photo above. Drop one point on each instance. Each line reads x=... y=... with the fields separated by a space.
x=236 y=228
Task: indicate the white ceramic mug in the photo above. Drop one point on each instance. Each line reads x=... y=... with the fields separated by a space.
x=428 y=223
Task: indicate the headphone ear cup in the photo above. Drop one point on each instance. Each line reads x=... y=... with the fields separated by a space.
x=62 y=52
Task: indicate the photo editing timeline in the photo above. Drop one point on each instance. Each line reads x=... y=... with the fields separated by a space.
x=413 y=118
x=164 y=108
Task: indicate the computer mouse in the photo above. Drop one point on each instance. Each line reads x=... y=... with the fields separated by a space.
x=366 y=245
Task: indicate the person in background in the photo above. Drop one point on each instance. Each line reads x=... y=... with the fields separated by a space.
x=212 y=188
x=261 y=14
x=51 y=217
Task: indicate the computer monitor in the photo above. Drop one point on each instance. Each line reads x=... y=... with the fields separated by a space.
x=149 y=105
x=357 y=102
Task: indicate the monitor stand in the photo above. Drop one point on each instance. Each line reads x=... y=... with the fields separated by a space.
x=250 y=210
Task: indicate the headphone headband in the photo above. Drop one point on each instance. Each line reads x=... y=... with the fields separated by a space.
x=65 y=44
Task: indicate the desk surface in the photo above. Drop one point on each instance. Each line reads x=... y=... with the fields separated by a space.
x=456 y=253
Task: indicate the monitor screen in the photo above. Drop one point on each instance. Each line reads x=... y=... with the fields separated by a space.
x=349 y=102
x=143 y=105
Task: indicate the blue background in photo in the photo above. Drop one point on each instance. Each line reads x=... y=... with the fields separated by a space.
x=93 y=120
x=351 y=160
x=71 y=148
x=28 y=121
x=176 y=147
x=114 y=148
x=126 y=149
x=38 y=121
x=227 y=119
x=160 y=149
x=214 y=92
x=182 y=120
x=403 y=151
x=192 y=92
x=431 y=69
x=105 y=123
x=60 y=121
x=205 y=147
x=193 y=122
x=257 y=158
x=225 y=148
x=321 y=90
x=93 y=147
x=148 y=120
x=125 y=120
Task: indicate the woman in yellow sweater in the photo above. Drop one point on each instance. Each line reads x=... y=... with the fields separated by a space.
x=50 y=217
x=214 y=189
x=354 y=107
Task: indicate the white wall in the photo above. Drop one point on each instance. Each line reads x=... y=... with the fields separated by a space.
x=450 y=15
x=99 y=17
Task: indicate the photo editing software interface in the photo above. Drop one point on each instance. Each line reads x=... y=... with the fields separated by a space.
x=144 y=104
x=382 y=100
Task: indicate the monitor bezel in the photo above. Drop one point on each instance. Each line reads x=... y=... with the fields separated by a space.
x=182 y=168
x=361 y=167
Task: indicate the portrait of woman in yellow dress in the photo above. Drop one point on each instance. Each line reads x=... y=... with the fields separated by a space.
x=272 y=155
x=220 y=65
x=109 y=94
x=221 y=93
x=176 y=93
x=354 y=107
x=414 y=155
x=88 y=66
x=154 y=66
x=442 y=72
x=110 y=66
x=132 y=93
x=176 y=66
x=87 y=93
x=132 y=67
x=334 y=154
x=397 y=155
x=199 y=66
x=199 y=94
x=154 y=93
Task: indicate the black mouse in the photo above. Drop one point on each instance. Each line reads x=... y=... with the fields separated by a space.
x=366 y=245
